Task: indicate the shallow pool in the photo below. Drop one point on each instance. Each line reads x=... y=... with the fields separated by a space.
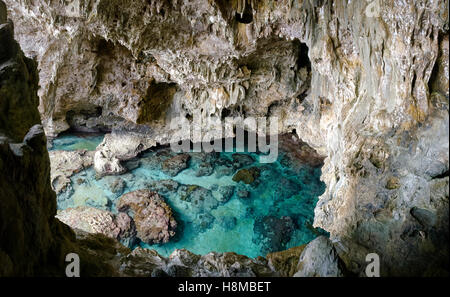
x=71 y=142
x=273 y=212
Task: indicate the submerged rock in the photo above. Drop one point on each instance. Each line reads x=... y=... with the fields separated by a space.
x=225 y=193
x=164 y=186
x=243 y=193
x=273 y=232
x=204 y=162
x=227 y=222
x=117 y=186
x=242 y=160
x=425 y=217
x=286 y=188
x=174 y=165
x=200 y=199
x=203 y=221
x=223 y=170
x=204 y=169
x=247 y=176
x=153 y=217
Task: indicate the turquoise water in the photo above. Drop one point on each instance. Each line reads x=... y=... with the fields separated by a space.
x=77 y=142
x=212 y=210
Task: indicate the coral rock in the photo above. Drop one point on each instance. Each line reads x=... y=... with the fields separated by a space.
x=153 y=217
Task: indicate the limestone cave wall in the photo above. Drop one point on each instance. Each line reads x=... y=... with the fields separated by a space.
x=365 y=83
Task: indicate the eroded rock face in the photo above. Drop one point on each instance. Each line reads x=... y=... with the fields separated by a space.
x=64 y=164
x=319 y=259
x=123 y=79
x=182 y=263
x=28 y=203
x=93 y=220
x=117 y=147
x=372 y=98
x=33 y=241
x=153 y=217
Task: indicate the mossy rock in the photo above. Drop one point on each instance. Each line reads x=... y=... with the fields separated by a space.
x=285 y=262
x=247 y=176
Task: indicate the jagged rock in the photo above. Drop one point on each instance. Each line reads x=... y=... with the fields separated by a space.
x=376 y=106
x=319 y=259
x=285 y=262
x=64 y=164
x=152 y=216
x=296 y=153
x=174 y=165
x=425 y=217
x=117 y=147
x=183 y=263
x=32 y=241
x=93 y=220
x=247 y=176
x=3 y=13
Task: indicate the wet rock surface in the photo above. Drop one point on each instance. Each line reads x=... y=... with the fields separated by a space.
x=174 y=165
x=248 y=176
x=273 y=232
x=152 y=216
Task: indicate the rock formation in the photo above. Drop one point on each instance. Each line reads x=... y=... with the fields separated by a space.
x=93 y=220
x=152 y=216
x=368 y=90
x=35 y=243
x=319 y=259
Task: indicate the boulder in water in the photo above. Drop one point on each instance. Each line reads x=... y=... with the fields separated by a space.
x=153 y=217
x=174 y=165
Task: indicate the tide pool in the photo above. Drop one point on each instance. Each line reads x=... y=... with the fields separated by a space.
x=214 y=212
x=77 y=142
